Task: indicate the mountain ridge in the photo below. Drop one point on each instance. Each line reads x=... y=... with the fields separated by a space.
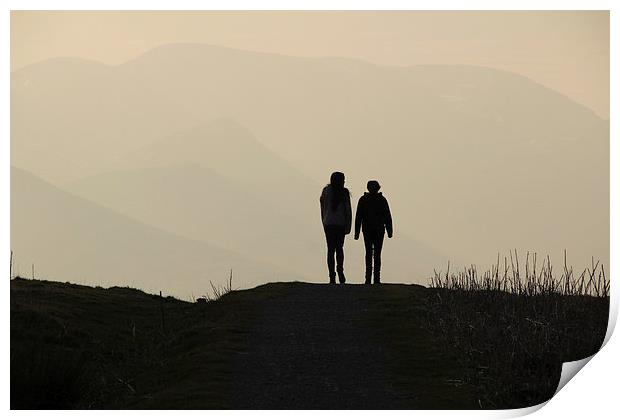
x=355 y=60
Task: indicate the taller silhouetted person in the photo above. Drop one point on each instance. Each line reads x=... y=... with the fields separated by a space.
x=336 y=216
x=373 y=217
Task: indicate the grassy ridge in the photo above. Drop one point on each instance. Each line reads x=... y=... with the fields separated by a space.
x=82 y=347
x=76 y=346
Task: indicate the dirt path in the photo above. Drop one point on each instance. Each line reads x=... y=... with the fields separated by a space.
x=352 y=347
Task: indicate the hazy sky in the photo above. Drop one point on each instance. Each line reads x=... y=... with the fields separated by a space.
x=567 y=51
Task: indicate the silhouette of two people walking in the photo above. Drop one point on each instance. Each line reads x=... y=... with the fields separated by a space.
x=372 y=217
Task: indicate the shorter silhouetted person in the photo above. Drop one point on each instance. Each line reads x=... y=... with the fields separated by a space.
x=336 y=216
x=373 y=217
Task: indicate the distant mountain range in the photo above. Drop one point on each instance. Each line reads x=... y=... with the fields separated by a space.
x=473 y=160
x=71 y=239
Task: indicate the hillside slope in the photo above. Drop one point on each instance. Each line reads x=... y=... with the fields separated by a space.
x=295 y=346
x=281 y=345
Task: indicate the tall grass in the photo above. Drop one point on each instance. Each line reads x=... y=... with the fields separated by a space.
x=538 y=279
x=517 y=322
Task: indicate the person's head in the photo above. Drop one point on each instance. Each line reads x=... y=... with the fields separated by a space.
x=337 y=180
x=373 y=186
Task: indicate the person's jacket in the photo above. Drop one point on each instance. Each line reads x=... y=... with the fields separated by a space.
x=373 y=214
x=338 y=216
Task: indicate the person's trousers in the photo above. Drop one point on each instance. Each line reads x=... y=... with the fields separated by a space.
x=373 y=242
x=335 y=245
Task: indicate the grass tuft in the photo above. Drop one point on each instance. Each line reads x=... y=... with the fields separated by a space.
x=219 y=291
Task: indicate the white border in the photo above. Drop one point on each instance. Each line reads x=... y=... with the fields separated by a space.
x=592 y=394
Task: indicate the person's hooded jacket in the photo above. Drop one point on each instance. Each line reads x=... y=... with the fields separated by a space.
x=373 y=214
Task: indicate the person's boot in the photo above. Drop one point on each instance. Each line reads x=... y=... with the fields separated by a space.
x=368 y=276
x=341 y=278
x=332 y=278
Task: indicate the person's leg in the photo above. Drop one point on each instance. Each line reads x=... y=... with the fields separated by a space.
x=340 y=255
x=377 y=247
x=331 y=249
x=368 y=246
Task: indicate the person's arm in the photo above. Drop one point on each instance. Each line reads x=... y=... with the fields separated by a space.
x=347 y=214
x=358 y=217
x=388 y=220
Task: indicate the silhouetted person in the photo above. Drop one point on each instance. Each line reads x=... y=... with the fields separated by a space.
x=336 y=216
x=374 y=218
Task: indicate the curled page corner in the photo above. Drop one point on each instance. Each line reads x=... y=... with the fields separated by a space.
x=570 y=369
